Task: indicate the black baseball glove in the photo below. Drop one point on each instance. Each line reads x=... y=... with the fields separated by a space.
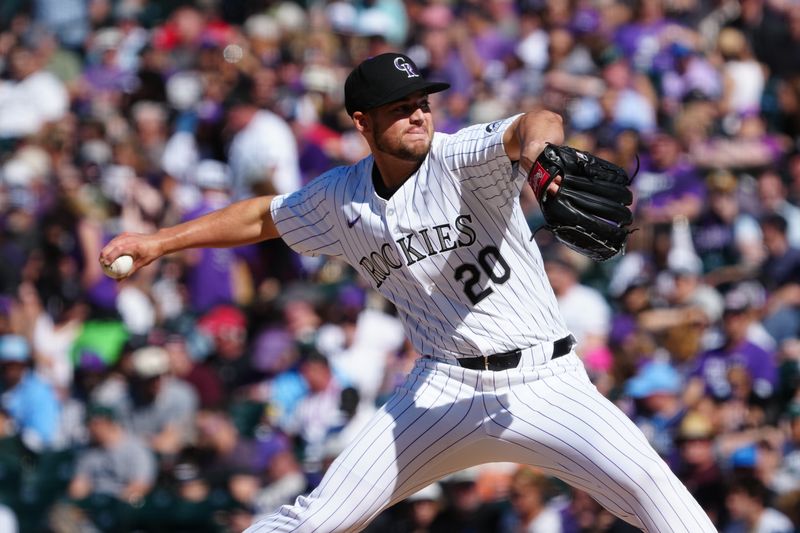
x=590 y=213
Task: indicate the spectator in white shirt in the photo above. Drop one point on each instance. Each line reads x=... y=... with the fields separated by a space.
x=32 y=97
x=748 y=503
x=586 y=313
x=263 y=151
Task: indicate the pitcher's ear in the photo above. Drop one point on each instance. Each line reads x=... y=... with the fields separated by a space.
x=361 y=121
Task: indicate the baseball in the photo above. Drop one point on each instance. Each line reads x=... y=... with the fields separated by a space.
x=120 y=268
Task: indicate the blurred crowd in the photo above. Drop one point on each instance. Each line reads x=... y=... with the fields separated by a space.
x=216 y=385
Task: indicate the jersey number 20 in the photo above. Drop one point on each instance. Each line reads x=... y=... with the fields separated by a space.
x=489 y=258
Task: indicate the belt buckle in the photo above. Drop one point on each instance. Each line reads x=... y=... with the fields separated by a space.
x=486 y=362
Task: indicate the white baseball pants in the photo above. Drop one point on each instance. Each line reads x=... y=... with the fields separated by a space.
x=446 y=418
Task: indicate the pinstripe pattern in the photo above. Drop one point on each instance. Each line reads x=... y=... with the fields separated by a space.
x=452 y=250
x=467 y=179
x=446 y=418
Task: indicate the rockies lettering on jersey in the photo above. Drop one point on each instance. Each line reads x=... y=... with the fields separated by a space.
x=450 y=248
x=417 y=246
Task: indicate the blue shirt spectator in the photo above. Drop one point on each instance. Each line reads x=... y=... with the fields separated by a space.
x=30 y=400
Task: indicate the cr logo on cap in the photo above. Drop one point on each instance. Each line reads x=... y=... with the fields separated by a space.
x=401 y=64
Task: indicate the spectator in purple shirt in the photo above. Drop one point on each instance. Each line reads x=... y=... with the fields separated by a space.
x=713 y=368
x=641 y=39
x=725 y=236
x=486 y=49
x=211 y=273
x=691 y=76
x=668 y=185
x=105 y=74
x=444 y=62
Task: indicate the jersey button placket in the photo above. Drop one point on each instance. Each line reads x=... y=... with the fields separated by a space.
x=391 y=220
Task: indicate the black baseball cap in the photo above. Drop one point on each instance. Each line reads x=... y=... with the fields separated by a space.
x=383 y=79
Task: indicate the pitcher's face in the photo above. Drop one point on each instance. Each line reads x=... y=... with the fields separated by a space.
x=403 y=129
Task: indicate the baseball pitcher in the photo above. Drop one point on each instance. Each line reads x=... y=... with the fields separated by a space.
x=433 y=221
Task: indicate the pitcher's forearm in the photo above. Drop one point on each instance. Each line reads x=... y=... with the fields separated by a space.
x=527 y=137
x=244 y=222
x=238 y=224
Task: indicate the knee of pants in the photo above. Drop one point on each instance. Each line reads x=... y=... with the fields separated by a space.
x=645 y=484
x=297 y=519
x=286 y=518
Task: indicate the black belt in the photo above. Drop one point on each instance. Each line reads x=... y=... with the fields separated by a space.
x=507 y=360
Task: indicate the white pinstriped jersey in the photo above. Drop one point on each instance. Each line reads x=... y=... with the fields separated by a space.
x=451 y=248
